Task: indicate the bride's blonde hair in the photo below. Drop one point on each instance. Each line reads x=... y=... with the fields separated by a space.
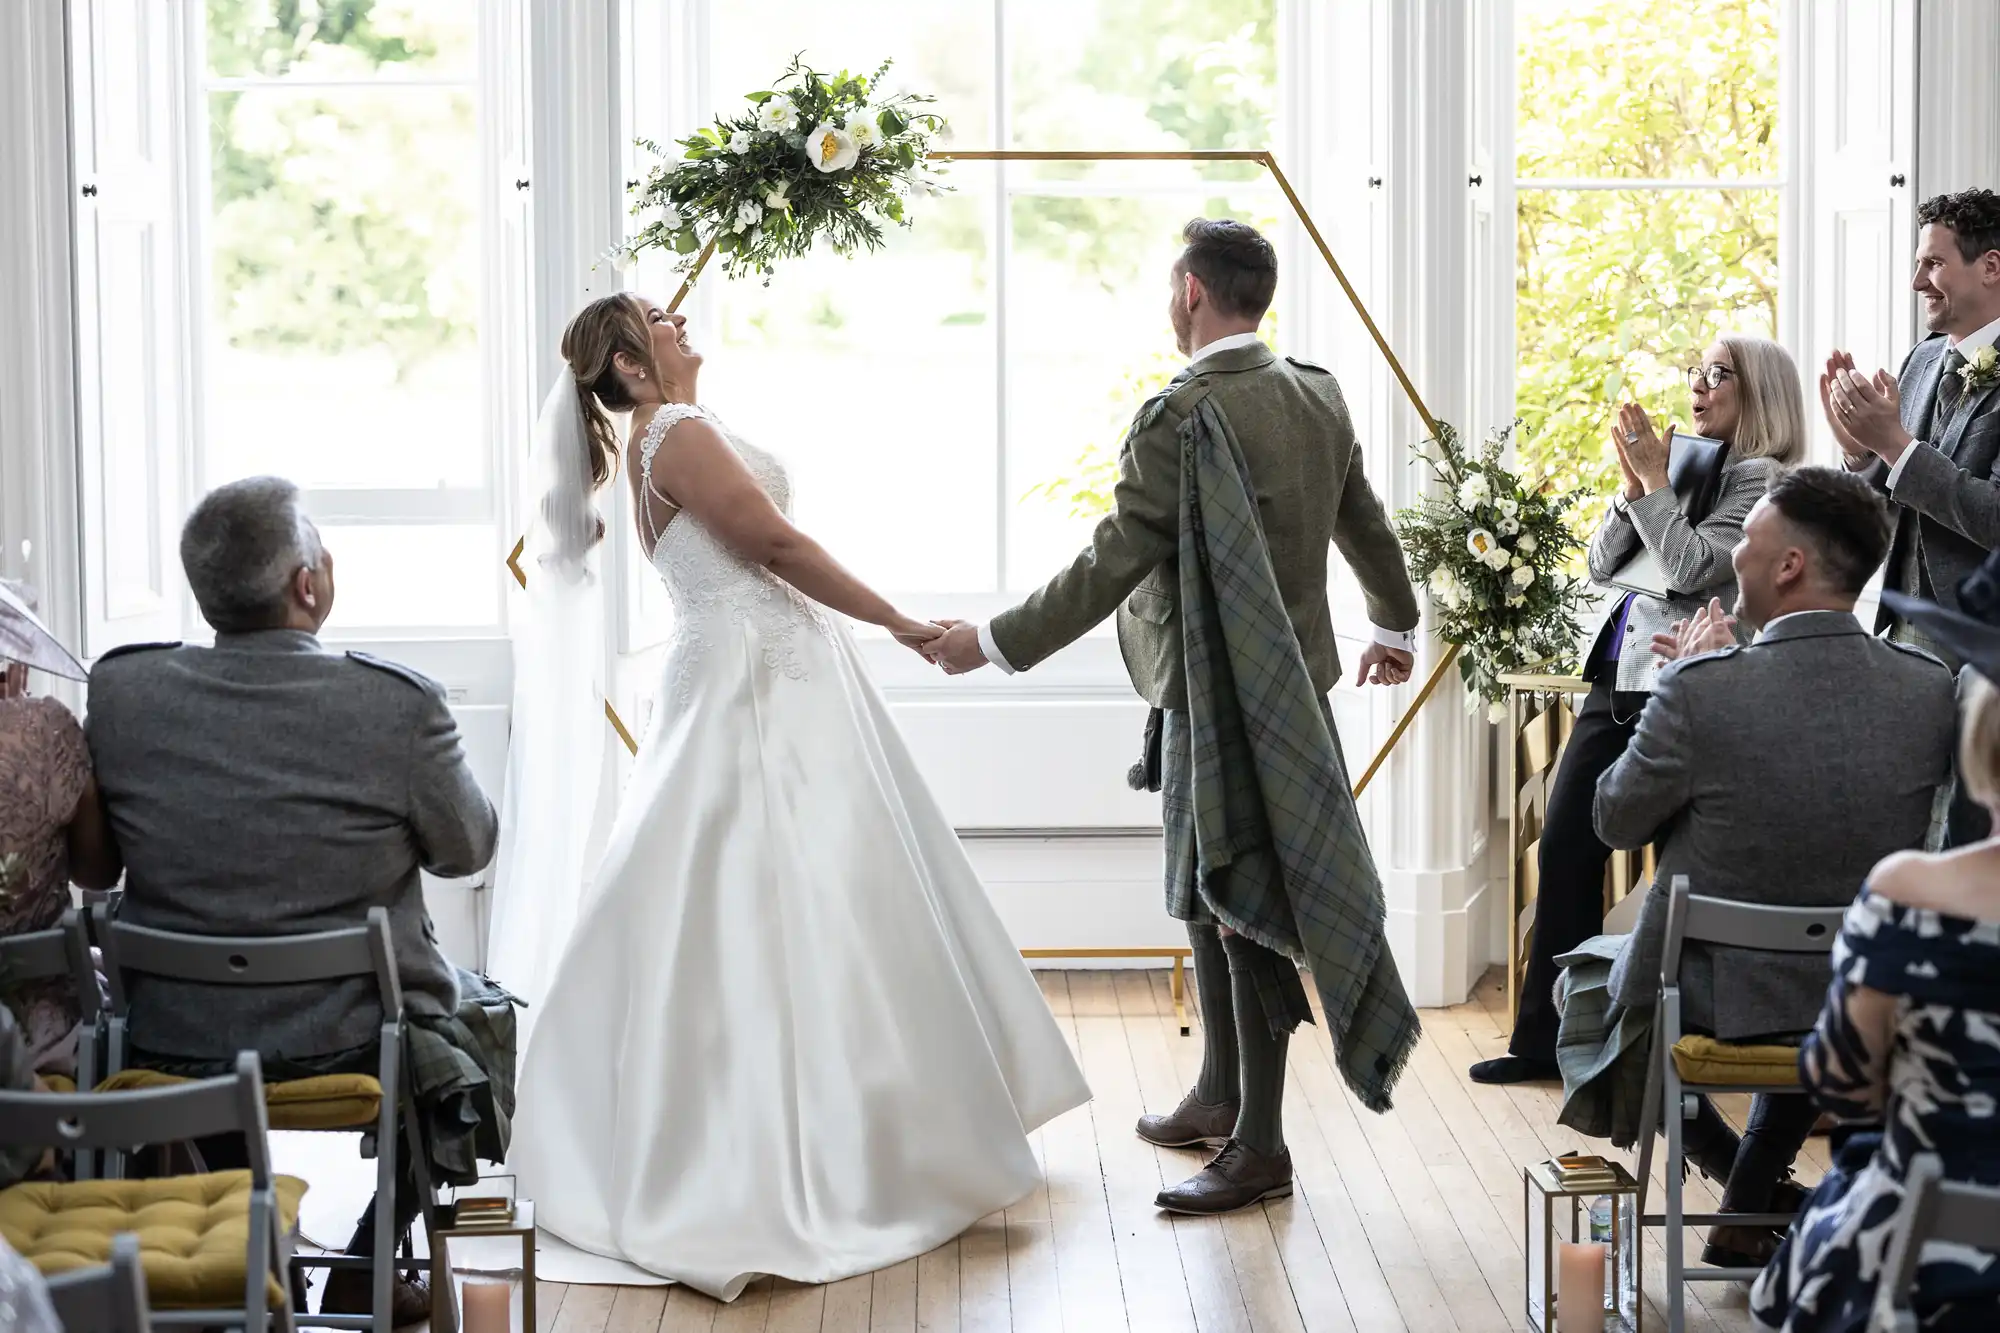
x=601 y=330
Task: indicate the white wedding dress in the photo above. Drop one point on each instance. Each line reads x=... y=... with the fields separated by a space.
x=789 y=1035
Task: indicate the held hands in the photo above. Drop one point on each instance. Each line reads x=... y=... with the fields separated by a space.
x=1642 y=454
x=1382 y=665
x=1866 y=413
x=957 y=650
x=917 y=635
x=1709 y=629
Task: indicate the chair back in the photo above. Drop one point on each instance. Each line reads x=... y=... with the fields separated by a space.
x=63 y=950
x=1933 y=1209
x=1693 y=919
x=260 y=960
x=106 y=1298
x=231 y=1104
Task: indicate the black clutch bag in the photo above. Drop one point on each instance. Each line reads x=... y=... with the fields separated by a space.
x=1694 y=471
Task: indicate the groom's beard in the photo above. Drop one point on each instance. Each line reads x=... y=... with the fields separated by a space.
x=1183 y=323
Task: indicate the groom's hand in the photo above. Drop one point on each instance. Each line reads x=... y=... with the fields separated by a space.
x=1382 y=665
x=957 y=650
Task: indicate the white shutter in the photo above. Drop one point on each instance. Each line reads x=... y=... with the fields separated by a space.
x=1860 y=141
x=130 y=329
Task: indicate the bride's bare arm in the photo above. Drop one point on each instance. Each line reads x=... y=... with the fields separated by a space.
x=705 y=477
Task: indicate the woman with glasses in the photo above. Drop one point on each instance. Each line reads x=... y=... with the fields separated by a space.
x=1745 y=393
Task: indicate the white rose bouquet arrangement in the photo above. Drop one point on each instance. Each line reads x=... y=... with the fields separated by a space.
x=813 y=157
x=1495 y=558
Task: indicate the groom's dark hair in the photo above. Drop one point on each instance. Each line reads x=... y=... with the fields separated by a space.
x=1236 y=265
x=1973 y=216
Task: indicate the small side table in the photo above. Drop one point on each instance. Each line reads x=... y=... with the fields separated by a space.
x=444 y=1290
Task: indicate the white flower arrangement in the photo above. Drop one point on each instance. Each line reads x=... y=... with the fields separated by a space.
x=1494 y=557
x=759 y=187
x=1981 y=369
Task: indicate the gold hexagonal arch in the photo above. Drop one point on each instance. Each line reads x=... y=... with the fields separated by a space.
x=1269 y=162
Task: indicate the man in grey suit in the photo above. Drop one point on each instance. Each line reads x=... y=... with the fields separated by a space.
x=1777 y=772
x=1928 y=438
x=1298 y=443
x=268 y=787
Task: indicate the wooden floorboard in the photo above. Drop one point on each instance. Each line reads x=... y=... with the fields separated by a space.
x=1408 y=1222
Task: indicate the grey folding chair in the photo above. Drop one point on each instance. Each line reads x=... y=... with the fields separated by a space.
x=62 y=951
x=356 y=951
x=232 y=1104
x=1693 y=919
x=110 y=1298
x=1933 y=1209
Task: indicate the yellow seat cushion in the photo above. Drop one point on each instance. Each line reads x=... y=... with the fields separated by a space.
x=328 y=1101
x=1706 y=1060
x=194 y=1231
x=59 y=1082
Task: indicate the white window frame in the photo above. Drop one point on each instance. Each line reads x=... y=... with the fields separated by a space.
x=498 y=86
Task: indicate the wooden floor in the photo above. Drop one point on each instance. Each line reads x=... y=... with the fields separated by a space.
x=1409 y=1221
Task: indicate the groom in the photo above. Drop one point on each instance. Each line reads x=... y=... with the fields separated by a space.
x=1298 y=450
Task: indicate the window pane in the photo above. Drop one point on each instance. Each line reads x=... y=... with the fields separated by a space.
x=1681 y=89
x=874 y=379
x=405 y=577
x=1600 y=324
x=944 y=50
x=341 y=39
x=1143 y=74
x=1089 y=341
x=344 y=264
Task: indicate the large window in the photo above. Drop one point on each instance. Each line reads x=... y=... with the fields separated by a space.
x=951 y=406
x=1649 y=175
x=340 y=292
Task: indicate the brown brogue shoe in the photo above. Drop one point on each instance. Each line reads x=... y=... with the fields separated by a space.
x=1238 y=1177
x=1192 y=1124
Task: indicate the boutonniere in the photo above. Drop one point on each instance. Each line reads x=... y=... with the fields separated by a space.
x=1981 y=369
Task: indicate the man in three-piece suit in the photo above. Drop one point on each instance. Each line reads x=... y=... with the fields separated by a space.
x=1778 y=772
x=1928 y=438
x=1304 y=466
x=268 y=787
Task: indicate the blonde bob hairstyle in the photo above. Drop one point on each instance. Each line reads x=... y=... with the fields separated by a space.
x=1771 y=416
x=1979 y=741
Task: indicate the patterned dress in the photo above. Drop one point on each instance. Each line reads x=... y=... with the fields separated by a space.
x=43 y=768
x=1941 y=1068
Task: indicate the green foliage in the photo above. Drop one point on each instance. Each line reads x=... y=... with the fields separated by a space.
x=341 y=219
x=813 y=158
x=1495 y=555
x=1618 y=290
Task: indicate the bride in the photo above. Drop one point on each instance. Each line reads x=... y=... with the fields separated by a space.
x=788 y=1033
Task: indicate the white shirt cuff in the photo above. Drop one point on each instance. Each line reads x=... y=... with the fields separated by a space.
x=1404 y=639
x=992 y=650
x=1896 y=472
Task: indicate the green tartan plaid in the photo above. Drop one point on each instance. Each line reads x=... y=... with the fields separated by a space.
x=1262 y=831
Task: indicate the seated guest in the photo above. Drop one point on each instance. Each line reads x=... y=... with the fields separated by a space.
x=266 y=786
x=1907 y=1040
x=52 y=831
x=1777 y=772
x=1745 y=393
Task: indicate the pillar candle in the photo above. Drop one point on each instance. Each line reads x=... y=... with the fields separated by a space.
x=488 y=1307
x=1579 y=1289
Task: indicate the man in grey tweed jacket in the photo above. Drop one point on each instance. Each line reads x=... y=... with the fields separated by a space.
x=268 y=787
x=1298 y=447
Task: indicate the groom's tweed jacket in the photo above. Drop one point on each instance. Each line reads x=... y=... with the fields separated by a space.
x=1305 y=474
x=1268 y=838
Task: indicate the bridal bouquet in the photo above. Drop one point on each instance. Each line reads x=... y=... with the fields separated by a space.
x=1496 y=560
x=809 y=158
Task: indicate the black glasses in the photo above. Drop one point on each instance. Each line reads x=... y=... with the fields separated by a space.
x=1707 y=377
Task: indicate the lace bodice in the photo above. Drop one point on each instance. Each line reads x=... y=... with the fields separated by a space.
x=713 y=588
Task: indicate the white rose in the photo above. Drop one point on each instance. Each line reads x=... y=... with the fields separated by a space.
x=1524 y=577
x=1481 y=544
x=864 y=131
x=779 y=199
x=778 y=115
x=1444 y=589
x=739 y=142
x=1474 y=491
x=1499 y=559
x=1527 y=543
x=831 y=148
x=1496 y=713
x=748 y=214
x=1506 y=636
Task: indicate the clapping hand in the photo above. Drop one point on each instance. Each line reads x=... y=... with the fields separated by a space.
x=1642 y=454
x=1866 y=412
x=1709 y=629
